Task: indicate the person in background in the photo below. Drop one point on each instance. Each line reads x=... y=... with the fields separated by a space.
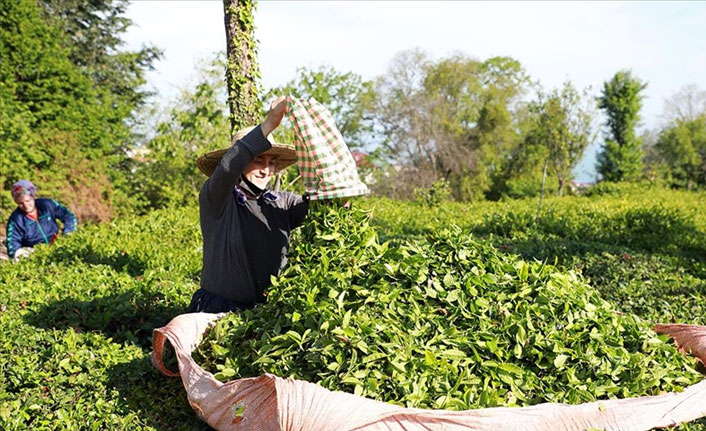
x=34 y=220
x=245 y=226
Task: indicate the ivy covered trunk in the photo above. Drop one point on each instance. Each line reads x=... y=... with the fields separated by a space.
x=242 y=71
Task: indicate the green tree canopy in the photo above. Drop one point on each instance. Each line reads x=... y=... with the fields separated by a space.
x=93 y=32
x=345 y=94
x=46 y=98
x=683 y=147
x=562 y=129
x=65 y=111
x=621 y=99
x=455 y=119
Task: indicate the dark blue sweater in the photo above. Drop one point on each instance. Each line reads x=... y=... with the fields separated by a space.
x=22 y=231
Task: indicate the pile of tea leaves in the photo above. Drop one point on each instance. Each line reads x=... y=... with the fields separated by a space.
x=445 y=322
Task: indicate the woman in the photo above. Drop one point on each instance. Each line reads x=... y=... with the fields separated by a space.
x=34 y=220
x=245 y=226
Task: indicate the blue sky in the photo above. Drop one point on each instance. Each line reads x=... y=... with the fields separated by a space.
x=663 y=43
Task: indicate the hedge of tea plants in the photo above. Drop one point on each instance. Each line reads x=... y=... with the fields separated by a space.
x=77 y=322
x=643 y=248
x=77 y=317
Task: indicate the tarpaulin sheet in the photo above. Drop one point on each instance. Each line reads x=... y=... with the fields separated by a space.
x=271 y=403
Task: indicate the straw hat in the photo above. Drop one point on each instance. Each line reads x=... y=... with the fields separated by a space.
x=285 y=155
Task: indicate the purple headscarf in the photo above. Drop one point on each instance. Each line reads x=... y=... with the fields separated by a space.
x=22 y=188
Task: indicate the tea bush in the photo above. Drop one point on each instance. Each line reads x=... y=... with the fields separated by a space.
x=77 y=317
x=643 y=248
x=439 y=192
x=77 y=322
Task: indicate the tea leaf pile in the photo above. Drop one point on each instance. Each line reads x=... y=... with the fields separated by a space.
x=444 y=321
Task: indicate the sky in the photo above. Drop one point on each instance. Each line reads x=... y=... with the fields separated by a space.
x=662 y=43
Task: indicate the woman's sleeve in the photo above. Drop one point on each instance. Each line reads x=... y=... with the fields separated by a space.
x=14 y=238
x=219 y=186
x=298 y=209
x=66 y=216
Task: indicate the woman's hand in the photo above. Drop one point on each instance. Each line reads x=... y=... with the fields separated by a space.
x=277 y=110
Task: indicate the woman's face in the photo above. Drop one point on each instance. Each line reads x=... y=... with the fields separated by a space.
x=260 y=170
x=25 y=203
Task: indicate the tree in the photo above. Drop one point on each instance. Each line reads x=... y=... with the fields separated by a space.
x=656 y=169
x=400 y=119
x=242 y=71
x=675 y=153
x=345 y=94
x=92 y=32
x=57 y=126
x=492 y=140
x=621 y=158
x=454 y=92
x=687 y=104
x=683 y=147
x=563 y=128
x=68 y=96
x=454 y=119
x=497 y=131
x=166 y=174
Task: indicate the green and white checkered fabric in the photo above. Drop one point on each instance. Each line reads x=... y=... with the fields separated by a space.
x=325 y=163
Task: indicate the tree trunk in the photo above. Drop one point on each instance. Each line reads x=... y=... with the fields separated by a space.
x=541 y=190
x=242 y=71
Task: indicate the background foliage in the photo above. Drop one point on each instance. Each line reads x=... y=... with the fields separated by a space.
x=76 y=119
x=164 y=173
x=621 y=158
x=67 y=97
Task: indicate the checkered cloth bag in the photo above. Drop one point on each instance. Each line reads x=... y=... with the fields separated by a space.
x=326 y=165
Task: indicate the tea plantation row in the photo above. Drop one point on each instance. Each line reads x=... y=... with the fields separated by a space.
x=643 y=248
x=77 y=317
x=77 y=322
